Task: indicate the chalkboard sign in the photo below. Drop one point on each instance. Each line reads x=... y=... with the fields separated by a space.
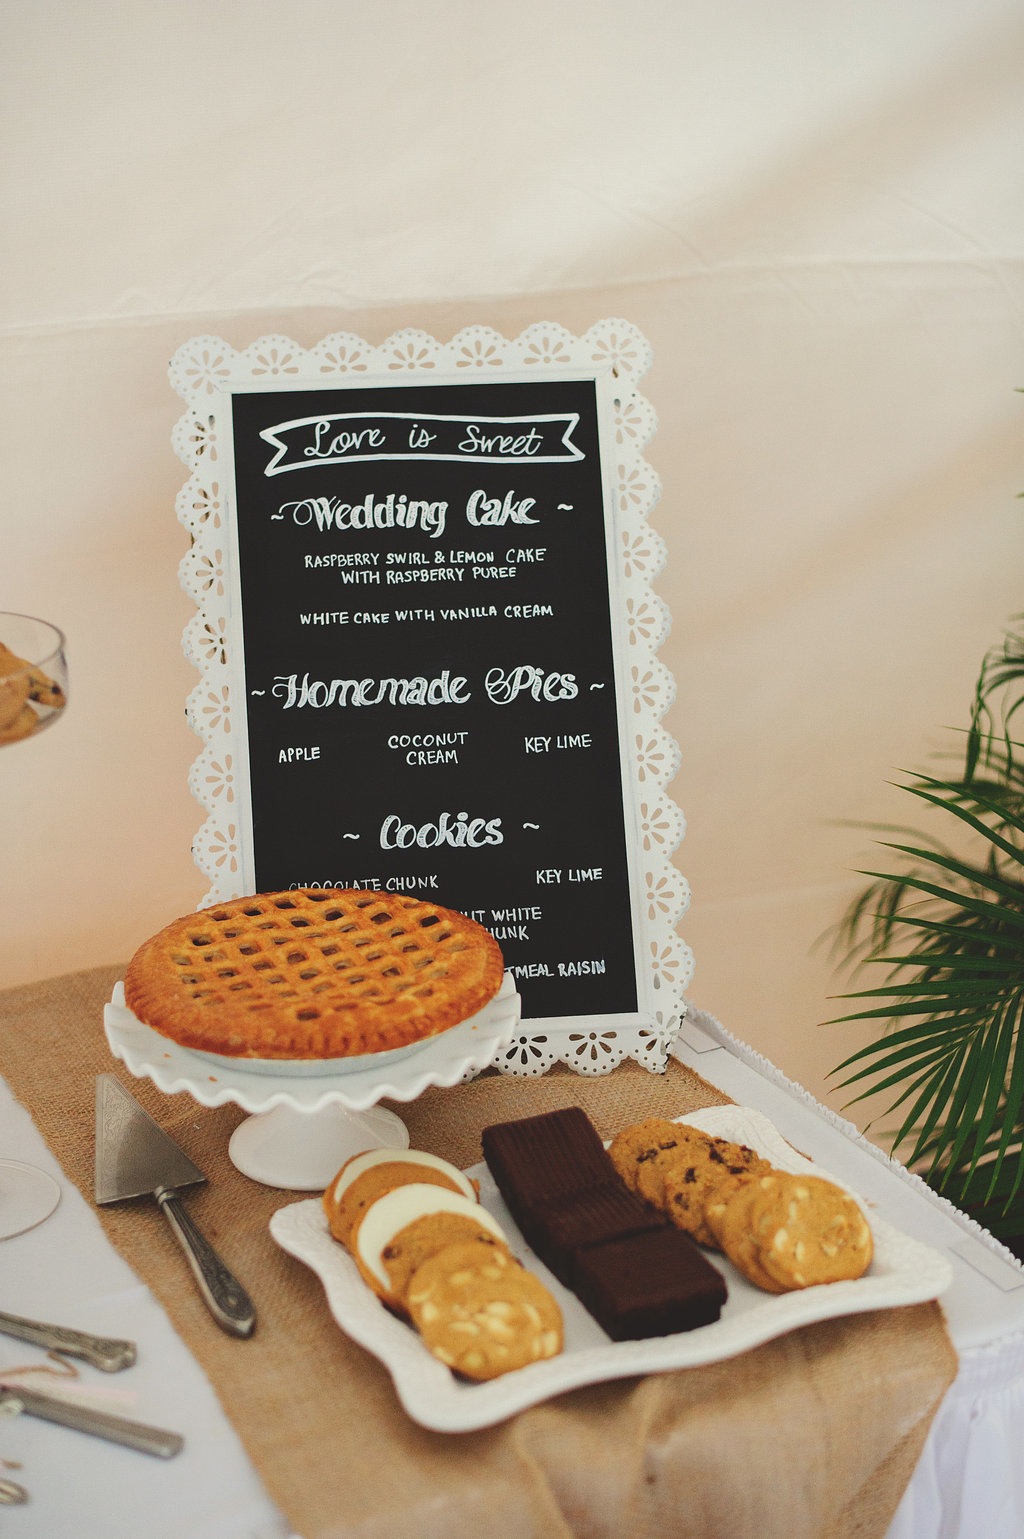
x=427 y=664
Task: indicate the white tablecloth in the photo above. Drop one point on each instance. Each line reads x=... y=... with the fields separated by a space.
x=969 y=1483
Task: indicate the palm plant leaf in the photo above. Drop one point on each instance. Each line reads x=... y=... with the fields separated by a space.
x=1001 y=668
x=946 y=926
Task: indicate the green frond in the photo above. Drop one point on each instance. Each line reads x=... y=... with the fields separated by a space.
x=946 y=926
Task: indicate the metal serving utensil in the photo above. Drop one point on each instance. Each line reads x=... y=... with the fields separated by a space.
x=136 y=1158
x=105 y=1352
x=11 y=1494
x=81 y=1418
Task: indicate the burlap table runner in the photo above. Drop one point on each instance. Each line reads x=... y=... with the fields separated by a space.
x=813 y=1436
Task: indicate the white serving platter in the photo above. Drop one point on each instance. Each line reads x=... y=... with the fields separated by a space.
x=903 y=1271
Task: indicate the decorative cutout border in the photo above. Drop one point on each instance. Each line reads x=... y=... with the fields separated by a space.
x=199 y=371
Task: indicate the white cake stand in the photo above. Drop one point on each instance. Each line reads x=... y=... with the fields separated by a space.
x=308 y=1118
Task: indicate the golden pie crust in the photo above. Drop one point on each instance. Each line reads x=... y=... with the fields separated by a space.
x=309 y=974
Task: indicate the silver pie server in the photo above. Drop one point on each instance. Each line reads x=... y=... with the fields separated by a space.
x=136 y=1158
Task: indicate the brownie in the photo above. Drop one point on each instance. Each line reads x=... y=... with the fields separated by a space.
x=629 y=1266
x=543 y=1158
x=608 y=1212
x=650 y=1284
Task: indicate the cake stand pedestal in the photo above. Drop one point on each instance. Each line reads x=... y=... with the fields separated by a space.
x=304 y=1150
x=308 y=1118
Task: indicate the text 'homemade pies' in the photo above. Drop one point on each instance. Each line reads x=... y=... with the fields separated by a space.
x=313 y=974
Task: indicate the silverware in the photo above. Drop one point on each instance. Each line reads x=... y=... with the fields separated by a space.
x=116 y=1429
x=135 y=1158
x=104 y=1352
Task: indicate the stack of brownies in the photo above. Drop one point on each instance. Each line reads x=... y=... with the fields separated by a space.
x=626 y=1262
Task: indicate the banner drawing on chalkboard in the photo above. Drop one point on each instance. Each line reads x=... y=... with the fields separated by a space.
x=427 y=642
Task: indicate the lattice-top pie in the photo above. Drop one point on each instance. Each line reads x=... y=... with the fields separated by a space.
x=313 y=974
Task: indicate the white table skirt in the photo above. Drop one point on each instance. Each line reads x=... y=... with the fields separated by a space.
x=969 y=1483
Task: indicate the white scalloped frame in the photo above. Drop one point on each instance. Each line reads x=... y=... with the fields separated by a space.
x=201 y=370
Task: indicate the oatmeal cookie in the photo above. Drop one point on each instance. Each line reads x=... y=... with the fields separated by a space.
x=691 y=1184
x=642 y=1154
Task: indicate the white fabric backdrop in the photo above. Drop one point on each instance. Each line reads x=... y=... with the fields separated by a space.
x=814 y=213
